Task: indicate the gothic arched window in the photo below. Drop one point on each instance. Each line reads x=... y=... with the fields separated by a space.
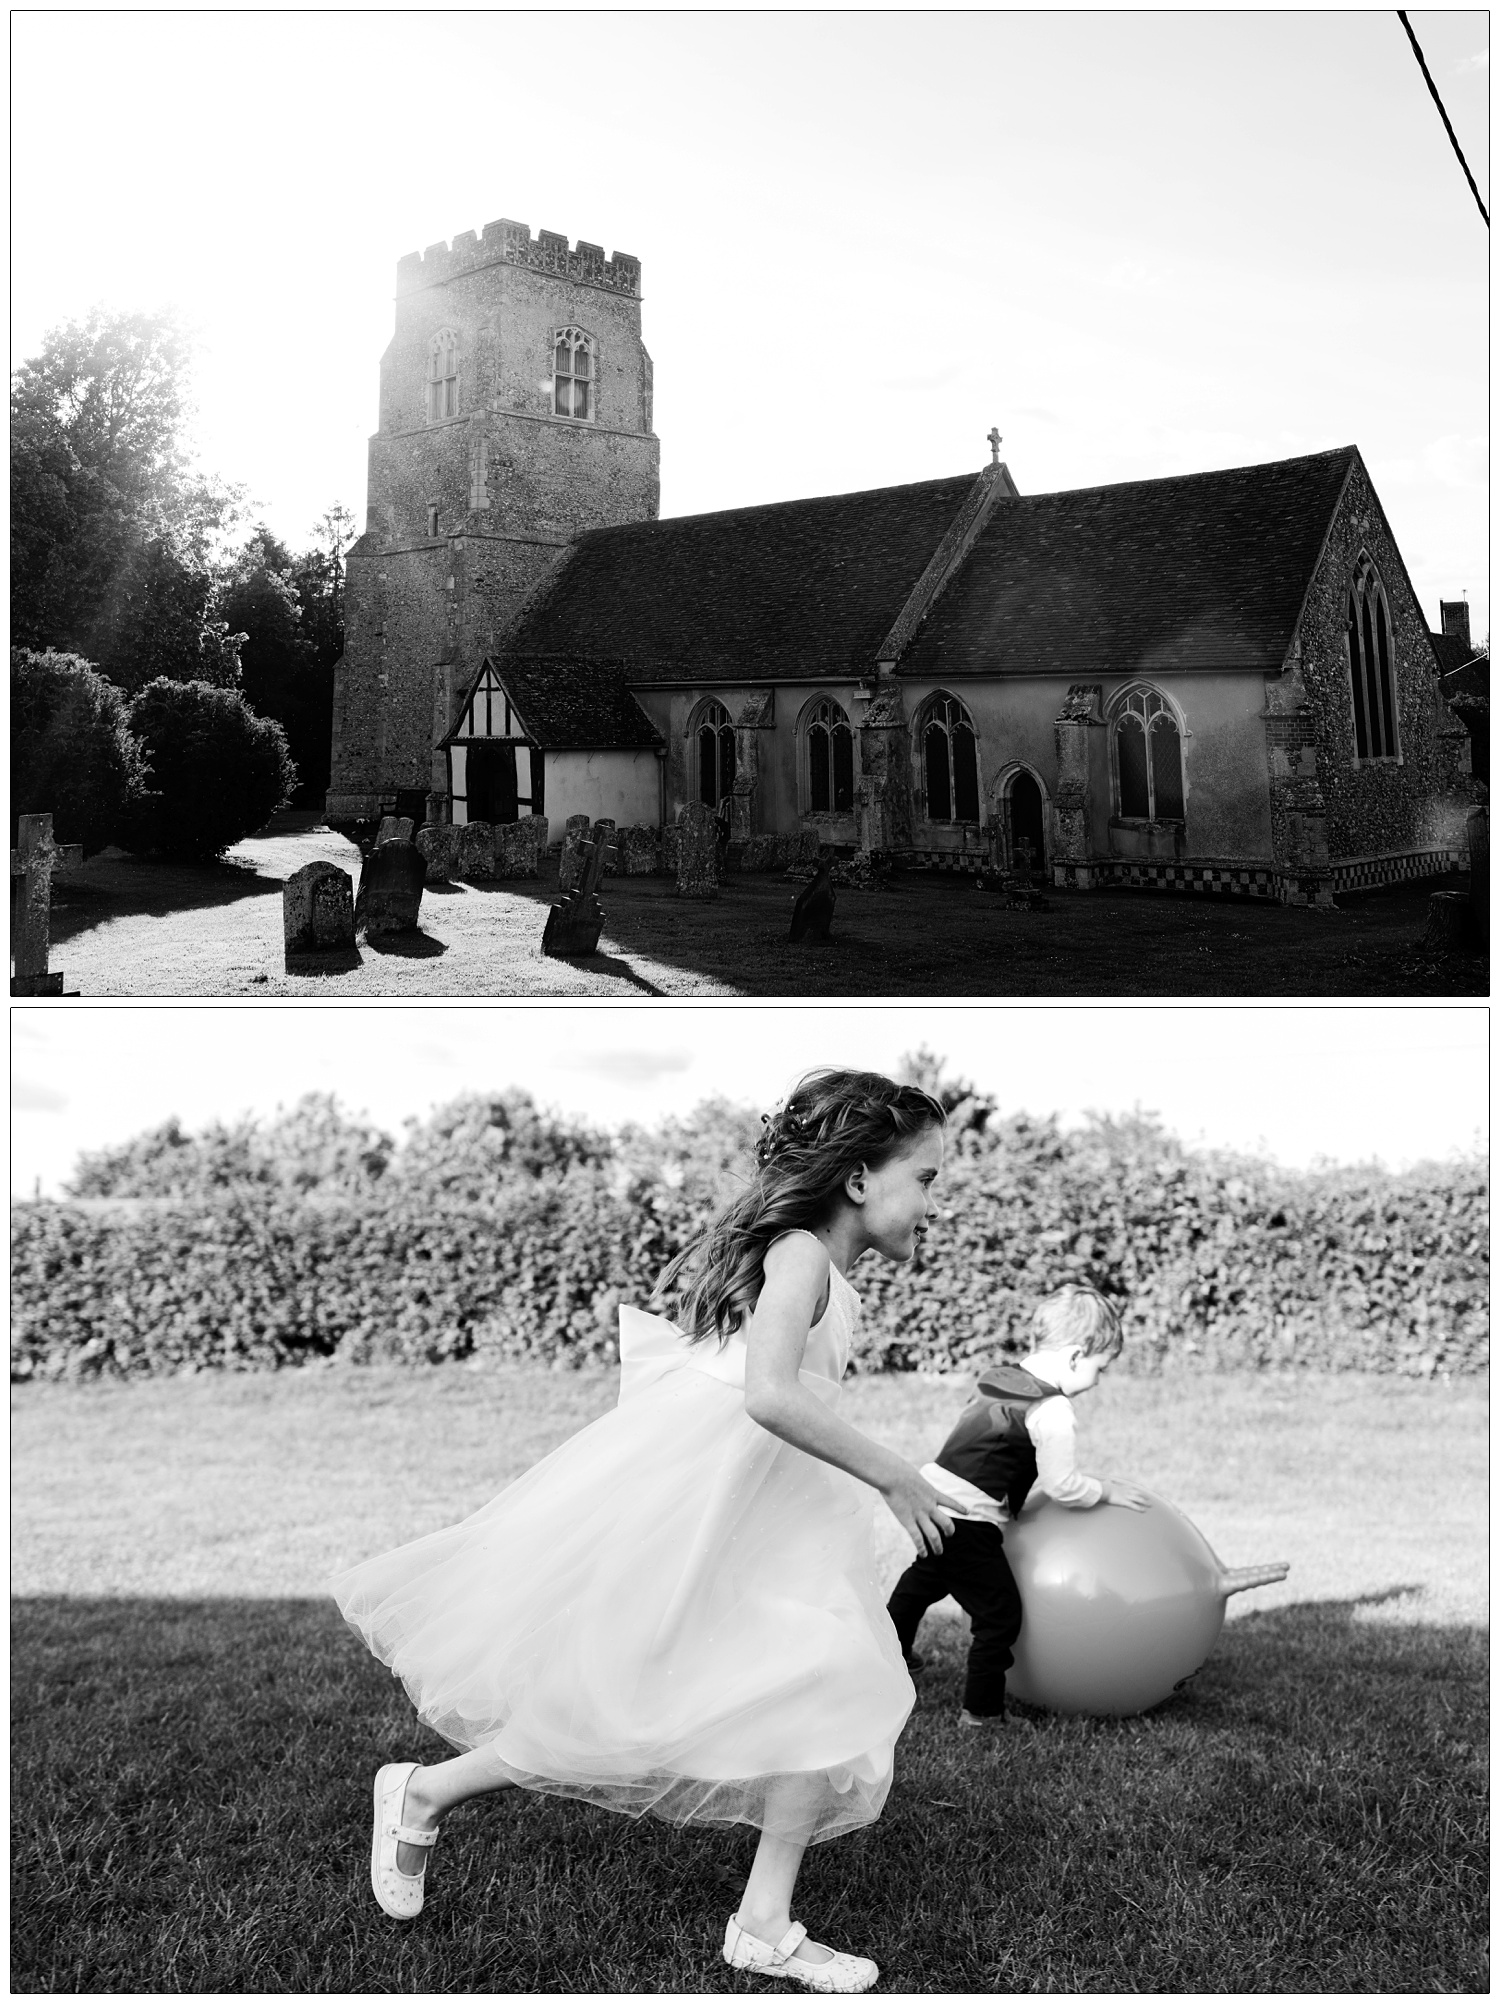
x=572 y=373
x=830 y=759
x=442 y=377
x=1370 y=681
x=950 y=761
x=713 y=746
x=1148 y=758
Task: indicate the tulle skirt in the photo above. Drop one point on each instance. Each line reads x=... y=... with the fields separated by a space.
x=673 y=1613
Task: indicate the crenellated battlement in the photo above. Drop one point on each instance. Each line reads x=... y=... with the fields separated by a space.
x=506 y=242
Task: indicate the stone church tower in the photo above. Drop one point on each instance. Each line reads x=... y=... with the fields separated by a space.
x=515 y=411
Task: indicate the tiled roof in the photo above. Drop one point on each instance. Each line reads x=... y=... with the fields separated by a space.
x=1203 y=570
x=1468 y=685
x=572 y=704
x=798 y=587
x=1452 y=651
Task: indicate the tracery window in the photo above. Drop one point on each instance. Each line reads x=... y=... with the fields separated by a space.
x=573 y=373
x=1370 y=680
x=830 y=759
x=713 y=738
x=442 y=377
x=950 y=761
x=1148 y=759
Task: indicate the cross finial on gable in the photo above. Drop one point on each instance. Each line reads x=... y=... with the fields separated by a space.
x=995 y=442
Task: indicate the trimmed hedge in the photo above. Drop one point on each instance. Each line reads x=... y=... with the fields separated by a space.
x=1222 y=1263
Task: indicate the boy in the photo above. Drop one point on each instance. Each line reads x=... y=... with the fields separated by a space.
x=1017 y=1430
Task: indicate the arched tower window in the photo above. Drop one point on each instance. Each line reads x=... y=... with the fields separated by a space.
x=1148 y=758
x=713 y=750
x=830 y=759
x=950 y=761
x=1371 y=685
x=573 y=373
x=442 y=377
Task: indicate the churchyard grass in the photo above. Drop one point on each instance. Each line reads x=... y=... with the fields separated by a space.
x=122 y=925
x=195 y=1731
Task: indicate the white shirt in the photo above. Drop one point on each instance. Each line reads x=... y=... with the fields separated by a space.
x=1053 y=1434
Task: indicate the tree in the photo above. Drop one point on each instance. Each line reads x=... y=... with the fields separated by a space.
x=109 y=522
x=73 y=754
x=217 y=770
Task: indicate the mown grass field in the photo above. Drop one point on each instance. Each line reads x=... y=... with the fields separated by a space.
x=195 y=1731
x=124 y=925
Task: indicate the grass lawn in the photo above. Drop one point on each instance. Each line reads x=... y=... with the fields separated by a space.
x=124 y=926
x=195 y=1730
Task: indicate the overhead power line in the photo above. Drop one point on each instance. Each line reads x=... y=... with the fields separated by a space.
x=1447 y=122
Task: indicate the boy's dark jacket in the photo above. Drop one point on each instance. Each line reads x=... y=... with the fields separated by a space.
x=990 y=1446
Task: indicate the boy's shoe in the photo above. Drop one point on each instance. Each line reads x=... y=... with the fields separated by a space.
x=841 y=1974
x=992 y=1720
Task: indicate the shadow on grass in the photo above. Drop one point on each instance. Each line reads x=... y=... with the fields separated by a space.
x=329 y=960
x=406 y=945
x=128 y=886
x=190 y=1803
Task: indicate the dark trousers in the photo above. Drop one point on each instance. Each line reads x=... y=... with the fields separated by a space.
x=973 y=1569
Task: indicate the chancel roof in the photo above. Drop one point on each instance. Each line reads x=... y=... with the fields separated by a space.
x=1199 y=571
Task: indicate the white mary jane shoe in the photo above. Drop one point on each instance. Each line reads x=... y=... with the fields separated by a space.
x=400 y=1893
x=842 y=1974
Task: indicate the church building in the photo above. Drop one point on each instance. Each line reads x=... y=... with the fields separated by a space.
x=1215 y=681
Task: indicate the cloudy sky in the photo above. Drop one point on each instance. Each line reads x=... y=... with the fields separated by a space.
x=1351 y=1084
x=1140 y=244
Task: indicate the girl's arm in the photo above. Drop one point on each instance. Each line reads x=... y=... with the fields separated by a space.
x=796 y=1280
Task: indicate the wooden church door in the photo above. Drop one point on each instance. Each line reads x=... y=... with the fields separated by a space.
x=1023 y=807
x=492 y=783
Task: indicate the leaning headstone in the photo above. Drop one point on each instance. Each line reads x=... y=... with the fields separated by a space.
x=394 y=828
x=317 y=908
x=697 y=857
x=570 y=863
x=32 y=863
x=575 y=922
x=390 y=888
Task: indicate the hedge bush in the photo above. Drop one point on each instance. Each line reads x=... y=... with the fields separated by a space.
x=1221 y=1263
x=218 y=771
x=72 y=754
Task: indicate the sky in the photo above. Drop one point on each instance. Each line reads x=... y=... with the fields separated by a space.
x=1397 y=1084
x=1138 y=243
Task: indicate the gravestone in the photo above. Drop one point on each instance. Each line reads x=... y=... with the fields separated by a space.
x=1477 y=829
x=32 y=865
x=697 y=857
x=638 y=851
x=519 y=846
x=570 y=863
x=474 y=851
x=317 y=909
x=390 y=884
x=437 y=841
x=575 y=922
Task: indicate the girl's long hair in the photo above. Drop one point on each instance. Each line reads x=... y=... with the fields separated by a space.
x=831 y=1123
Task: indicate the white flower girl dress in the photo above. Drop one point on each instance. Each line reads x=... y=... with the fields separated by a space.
x=669 y=1612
